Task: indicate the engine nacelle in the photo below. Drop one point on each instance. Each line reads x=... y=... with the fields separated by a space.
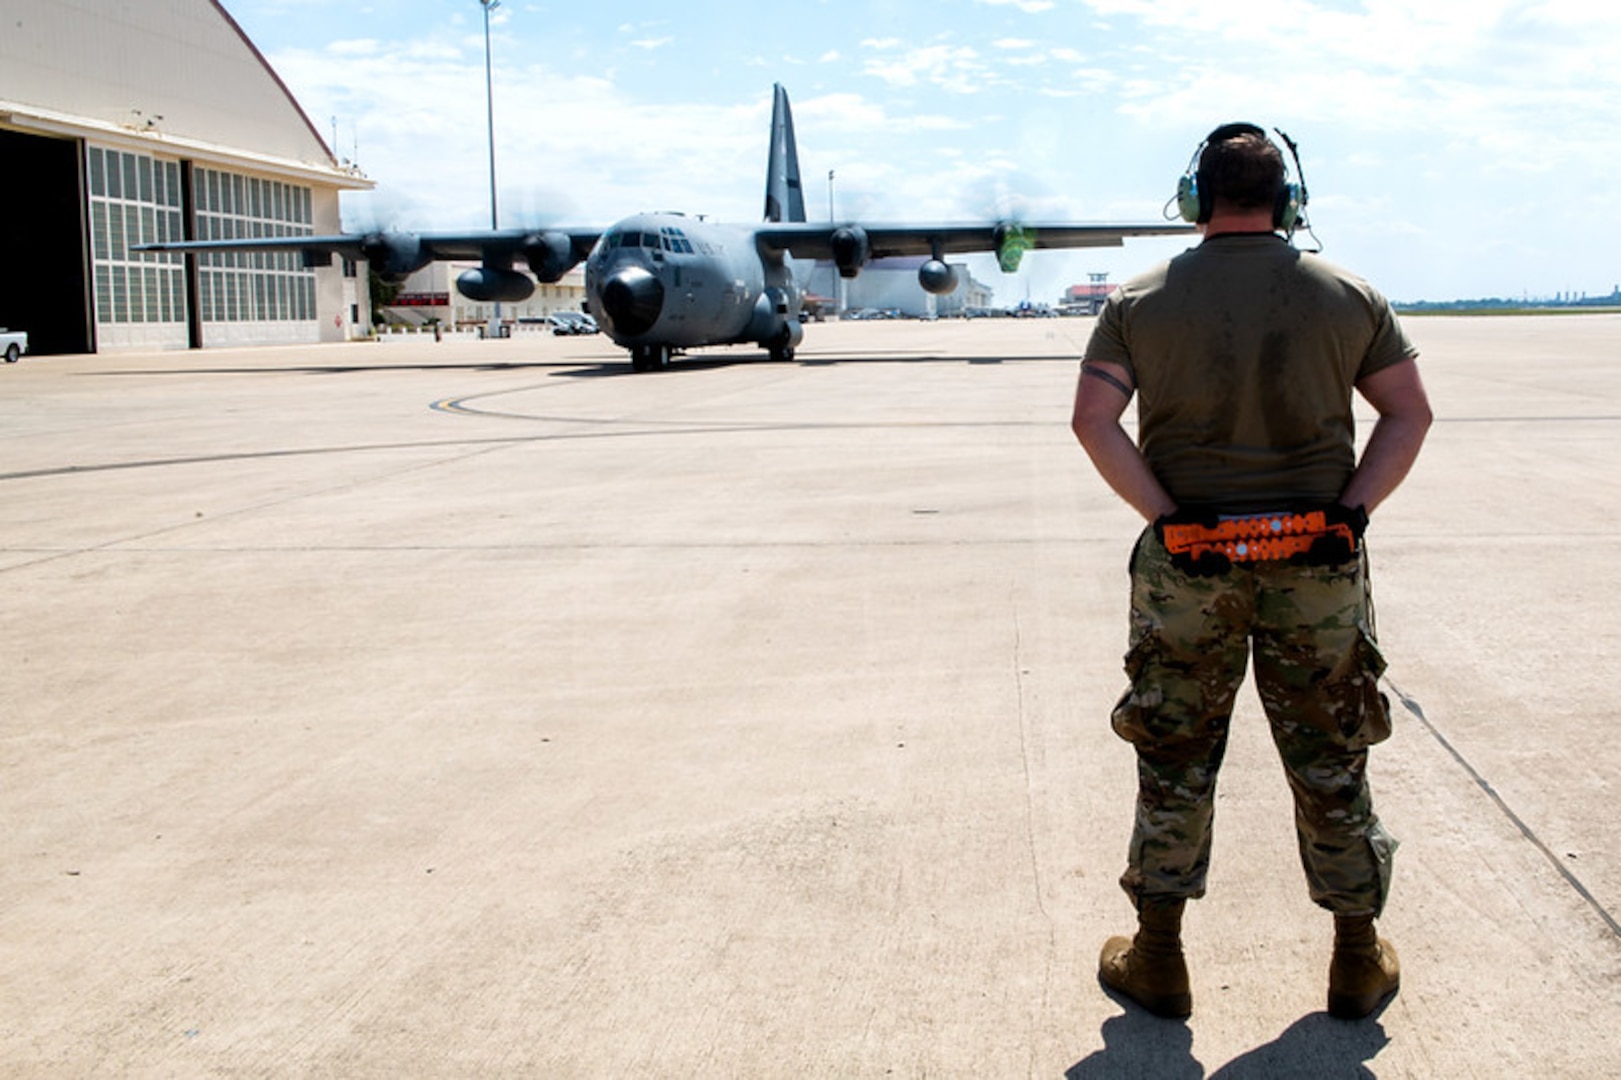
x=1010 y=242
x=495 y=286
x=395 y=256
x=851 y=249
x=550 y=255
x=937 y=278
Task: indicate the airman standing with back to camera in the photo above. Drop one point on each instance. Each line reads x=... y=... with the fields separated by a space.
x=1242 y=354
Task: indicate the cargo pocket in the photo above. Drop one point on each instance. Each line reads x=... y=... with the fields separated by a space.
x=1129 y=717
x=1364 y=711
x=1138 y=716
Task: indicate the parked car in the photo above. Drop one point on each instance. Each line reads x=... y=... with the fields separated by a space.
x=572 y=322
x=13 y=343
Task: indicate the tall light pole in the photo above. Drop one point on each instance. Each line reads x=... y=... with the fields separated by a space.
x=489 y=113
x=489 y=105
x=835 y=285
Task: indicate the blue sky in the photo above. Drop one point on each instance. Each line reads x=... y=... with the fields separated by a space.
x=1453 y=148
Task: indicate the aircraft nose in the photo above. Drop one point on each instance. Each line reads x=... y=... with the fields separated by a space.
x=632 y=299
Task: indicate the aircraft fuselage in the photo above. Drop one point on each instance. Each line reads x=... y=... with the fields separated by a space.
x=657 y=282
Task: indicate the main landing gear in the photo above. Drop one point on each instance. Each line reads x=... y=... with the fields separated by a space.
x=650 y=357
x=781 y=345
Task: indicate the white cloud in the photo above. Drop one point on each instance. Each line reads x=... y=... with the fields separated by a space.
x=1032 y=7
x=953 y=68
x=551 y=157
x=1415 y=120
x=356 y=47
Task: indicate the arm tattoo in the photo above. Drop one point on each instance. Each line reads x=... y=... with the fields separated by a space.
x=1099 y=373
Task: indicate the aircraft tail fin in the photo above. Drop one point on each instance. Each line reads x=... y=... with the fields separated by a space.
x=784 y=197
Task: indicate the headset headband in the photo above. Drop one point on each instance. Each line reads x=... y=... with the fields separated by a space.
x=1196 y=202
x=1231 y=131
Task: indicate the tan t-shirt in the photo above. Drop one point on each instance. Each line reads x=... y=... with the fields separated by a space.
x=1244 y=352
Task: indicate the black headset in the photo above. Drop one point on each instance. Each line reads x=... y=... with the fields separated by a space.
x=1195 y=201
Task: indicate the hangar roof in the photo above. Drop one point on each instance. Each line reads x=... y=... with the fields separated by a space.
x=159 y=71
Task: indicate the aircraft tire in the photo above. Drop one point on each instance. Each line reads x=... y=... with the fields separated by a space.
x=782 y=354
x=650 y=358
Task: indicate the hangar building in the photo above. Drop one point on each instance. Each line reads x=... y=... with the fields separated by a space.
x=891 y=285
x=122 y=123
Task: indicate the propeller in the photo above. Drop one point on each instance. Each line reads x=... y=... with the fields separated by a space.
x=379 y=210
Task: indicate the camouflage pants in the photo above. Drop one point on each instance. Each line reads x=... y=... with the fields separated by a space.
x=1317 y=668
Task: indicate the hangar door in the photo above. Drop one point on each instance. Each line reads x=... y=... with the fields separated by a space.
x=43 y=288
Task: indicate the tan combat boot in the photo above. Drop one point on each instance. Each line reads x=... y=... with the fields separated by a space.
x=1364 y=971
x=1149 y=968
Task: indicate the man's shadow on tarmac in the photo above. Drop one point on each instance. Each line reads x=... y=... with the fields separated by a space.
x=1319 y=1046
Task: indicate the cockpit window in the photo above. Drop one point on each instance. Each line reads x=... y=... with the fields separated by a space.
x=666 y=239
x=676 y=240
x=632 y=239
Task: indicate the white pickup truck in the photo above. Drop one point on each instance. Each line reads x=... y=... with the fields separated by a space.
x=13 y=343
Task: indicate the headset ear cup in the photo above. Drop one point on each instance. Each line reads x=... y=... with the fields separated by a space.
x=1187 y=198
x=1286 y=212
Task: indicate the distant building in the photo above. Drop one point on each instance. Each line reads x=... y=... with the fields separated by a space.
x=430 y=295
x=128 y=123
x=1088 y=299
x=892 y=285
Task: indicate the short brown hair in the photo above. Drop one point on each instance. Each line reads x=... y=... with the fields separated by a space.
x=1245 y=171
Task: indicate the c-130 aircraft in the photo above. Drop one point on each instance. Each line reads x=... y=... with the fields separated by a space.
x=665 y=282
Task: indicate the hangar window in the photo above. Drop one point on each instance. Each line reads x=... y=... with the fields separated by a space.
x=253 y=286
x=134 y=198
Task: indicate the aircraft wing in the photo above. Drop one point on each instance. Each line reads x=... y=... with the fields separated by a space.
x=400 y=253
x=343 y=243
x=856 y=243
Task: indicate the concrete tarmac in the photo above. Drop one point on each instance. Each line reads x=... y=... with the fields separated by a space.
x=482 y=709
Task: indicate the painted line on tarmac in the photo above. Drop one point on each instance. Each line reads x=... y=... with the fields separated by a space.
x=1571 y=879
x=249 y=455
x=648 y=426
x=604 y=429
